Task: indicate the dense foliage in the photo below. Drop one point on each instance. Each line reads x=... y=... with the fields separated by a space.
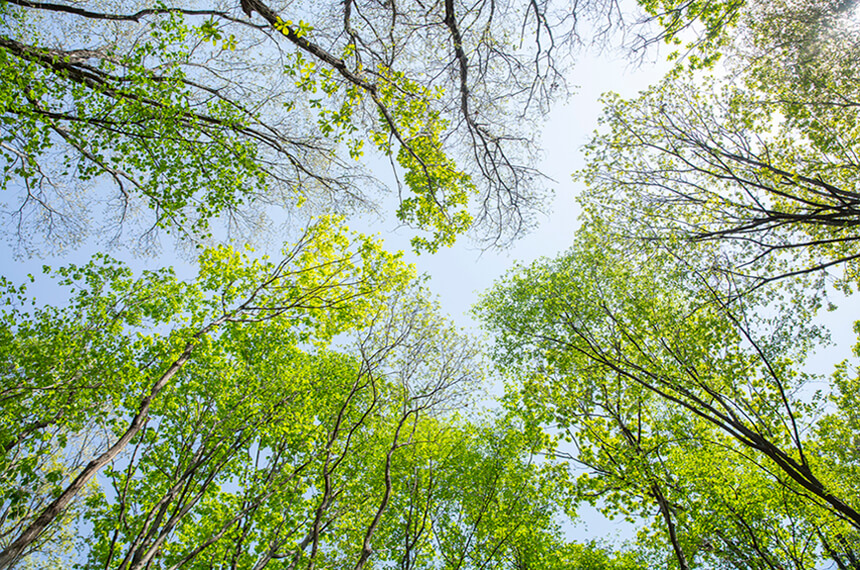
x=127 y=119
x=317 y=410
x=682 y=405
x=669 y=350
x=217 y=422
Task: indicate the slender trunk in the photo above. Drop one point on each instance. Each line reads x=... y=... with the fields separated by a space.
x=665 y=510
x=14 y=551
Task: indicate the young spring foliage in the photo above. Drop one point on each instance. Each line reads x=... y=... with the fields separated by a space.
x=757 y=163
x=300 y=413
x=133 y=120
x=681 y=408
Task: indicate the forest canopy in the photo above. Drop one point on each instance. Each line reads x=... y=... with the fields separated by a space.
x=316 y=408
x=171 y=116
x=670 y=351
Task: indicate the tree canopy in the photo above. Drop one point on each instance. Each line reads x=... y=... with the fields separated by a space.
x=668 y=352
x=174 y=115
x=129 y=121
x=679 y=403
x=316 y=409
x=220 y=422
x=759 y=159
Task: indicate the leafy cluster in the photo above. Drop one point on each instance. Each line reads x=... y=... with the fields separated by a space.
x=318 y=410
x=669 y=351
x=303 y=412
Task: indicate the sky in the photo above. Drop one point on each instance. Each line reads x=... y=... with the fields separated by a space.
x=460 y=273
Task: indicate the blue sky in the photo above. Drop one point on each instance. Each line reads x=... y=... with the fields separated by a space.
x=460 y=273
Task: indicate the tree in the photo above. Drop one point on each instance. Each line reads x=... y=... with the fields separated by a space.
x=680 y=403
x=758 y=164
x=183 y=115
x=95 y=363
x=301 y=413
x=660 y=346
x=710 y=165
x=189 y=113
